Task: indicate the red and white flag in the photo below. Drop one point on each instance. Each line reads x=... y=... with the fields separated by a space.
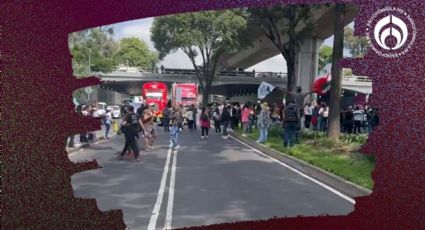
x=322 y=84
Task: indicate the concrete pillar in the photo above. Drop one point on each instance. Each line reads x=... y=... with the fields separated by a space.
x=109 y=97
x=307 y=62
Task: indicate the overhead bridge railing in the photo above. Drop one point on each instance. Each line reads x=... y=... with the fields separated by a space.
x=238 y=73
x=357 y=78
x=228 y=73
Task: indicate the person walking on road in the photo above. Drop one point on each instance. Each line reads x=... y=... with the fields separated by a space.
x=263 y=122
x=245 y=118
x=131 y=123
x=175 y=117
x=166 y=113
x=217 y=118
x=225 y=120
x=291 y=122
x=108 y=122
x=190 y=119
x=148 y=128
x=205 y=122
x=195 y=113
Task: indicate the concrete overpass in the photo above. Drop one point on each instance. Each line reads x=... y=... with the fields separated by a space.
x=306 y=59
x=131 y=83
x=231 y=85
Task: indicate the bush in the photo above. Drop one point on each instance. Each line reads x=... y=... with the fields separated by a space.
x=276 y=131
x=308 y=134
x=354 y=138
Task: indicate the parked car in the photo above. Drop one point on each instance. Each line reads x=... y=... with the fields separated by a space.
x=116 y=111
x=100 y=110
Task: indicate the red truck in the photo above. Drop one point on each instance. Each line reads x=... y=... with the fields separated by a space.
x=155 y=94
x=185 y=94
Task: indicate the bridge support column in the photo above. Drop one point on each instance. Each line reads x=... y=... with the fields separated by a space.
x=307 y=64
x=109 y=97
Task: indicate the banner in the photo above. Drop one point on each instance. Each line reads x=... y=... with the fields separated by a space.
x=264 y=89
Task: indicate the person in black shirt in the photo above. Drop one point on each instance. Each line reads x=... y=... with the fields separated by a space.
x=140 y=110
x=131 y=123
x=225 y=119
x=234 y=115
x=166 y=114
x=349 y=120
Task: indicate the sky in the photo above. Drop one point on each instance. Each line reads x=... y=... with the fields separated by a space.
x=141 y=29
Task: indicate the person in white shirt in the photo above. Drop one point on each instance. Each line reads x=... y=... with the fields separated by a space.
x=108 y=122
x=324 y=114
x=190 y=119
x=308 y=112
x=358 y=119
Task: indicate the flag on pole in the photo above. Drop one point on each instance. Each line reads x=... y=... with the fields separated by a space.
x=264 y=89
x=322 y=84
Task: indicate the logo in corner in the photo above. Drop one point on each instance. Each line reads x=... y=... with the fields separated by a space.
x=391 y=32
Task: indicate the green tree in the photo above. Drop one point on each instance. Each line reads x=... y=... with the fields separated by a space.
x=356 y=45
x=325 y=56
x=92 y=51
x=279 y=24
x=94 y=47
x=135 y=52
x=210 y=34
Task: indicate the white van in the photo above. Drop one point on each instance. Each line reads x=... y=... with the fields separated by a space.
x=101 y=109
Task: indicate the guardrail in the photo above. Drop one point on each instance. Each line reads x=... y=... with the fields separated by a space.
x=357 y=78
x=227 y=73
x=251 y=74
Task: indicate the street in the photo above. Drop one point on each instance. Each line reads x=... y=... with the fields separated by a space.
x=206 y=181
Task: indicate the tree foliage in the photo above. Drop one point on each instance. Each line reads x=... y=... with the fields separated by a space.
x=95 y=46
x=356 y=45
x=135 y=52
x=206 y=35
x=325 y=56
x=279 y=24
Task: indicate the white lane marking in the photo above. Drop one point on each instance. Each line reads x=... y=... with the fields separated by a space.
x=299 y=172
x=160 y=196
x=169 y=212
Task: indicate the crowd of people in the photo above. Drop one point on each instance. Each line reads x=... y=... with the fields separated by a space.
x=91 y=110
x=293 y=116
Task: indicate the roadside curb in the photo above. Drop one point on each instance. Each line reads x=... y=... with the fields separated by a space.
x=346 y=187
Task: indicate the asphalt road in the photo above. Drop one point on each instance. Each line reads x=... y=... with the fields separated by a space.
x=207 y=181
